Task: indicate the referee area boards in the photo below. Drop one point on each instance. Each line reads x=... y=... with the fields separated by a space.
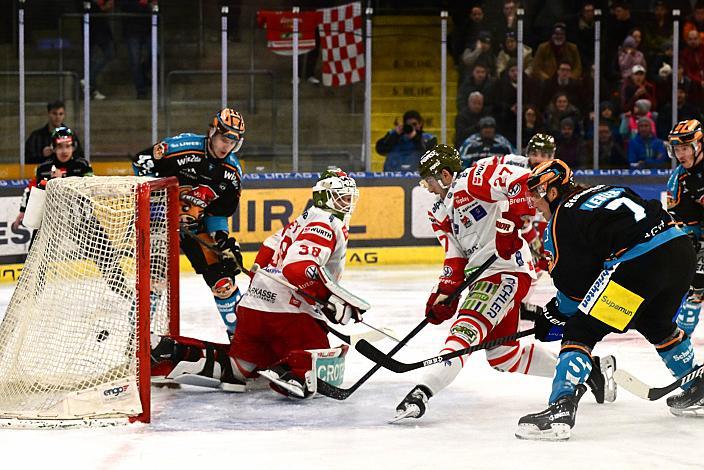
x=389 y=227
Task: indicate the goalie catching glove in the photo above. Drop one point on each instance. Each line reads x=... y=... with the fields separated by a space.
x=342 y=305
x=229 y=247
x=340 y=311
x=550 y=322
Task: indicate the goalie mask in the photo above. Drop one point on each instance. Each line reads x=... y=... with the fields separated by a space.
x=336 y=192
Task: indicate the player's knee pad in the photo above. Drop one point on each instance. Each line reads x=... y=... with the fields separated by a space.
x=677 y=353
x=574 y=364
x=467 y=330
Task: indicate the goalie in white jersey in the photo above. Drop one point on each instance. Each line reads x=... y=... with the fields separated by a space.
x=479 y=212
x=276 y=327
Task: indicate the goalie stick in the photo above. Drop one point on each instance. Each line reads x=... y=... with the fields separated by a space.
x=374 y=335
x=393 y=365
x=641 y=389
x=337 y=393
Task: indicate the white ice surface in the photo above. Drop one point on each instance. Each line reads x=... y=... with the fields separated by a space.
x=468 y=425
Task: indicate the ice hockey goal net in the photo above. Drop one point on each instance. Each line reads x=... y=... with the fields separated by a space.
x=102 y=273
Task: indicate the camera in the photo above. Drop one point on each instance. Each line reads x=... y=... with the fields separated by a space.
x=407 y=129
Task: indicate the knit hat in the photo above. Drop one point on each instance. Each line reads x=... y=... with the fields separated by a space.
x=630 y=41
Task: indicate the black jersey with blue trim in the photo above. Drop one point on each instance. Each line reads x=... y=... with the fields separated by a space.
x=186 y=156
x=597 y=226
x=685 y=196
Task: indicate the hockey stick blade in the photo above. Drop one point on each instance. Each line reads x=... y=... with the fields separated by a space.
x=386 y=361
x=645 y=391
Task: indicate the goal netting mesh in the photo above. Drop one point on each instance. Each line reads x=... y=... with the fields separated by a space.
x=72 y=339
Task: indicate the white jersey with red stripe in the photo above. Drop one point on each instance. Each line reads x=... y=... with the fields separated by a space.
x=315 y=239
x=465 y=220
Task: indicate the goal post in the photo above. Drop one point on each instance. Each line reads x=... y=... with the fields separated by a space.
x=100 y=277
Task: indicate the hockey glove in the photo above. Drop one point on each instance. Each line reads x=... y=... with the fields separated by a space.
x=340 y=312
x=230 y=249
x=437 y=311
x=550 y=323
x=508 y=236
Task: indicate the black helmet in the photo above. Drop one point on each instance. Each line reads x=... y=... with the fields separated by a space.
x=62 y=134
x=438 y=158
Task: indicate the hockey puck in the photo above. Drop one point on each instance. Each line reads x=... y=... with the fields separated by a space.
x=102 y=335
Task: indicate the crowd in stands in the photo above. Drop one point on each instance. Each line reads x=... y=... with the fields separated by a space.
x=636 y=78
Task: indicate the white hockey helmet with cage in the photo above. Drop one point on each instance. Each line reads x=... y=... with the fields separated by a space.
x=336 y=192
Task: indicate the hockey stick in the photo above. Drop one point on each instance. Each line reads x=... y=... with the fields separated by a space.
x=645 y=391
x=393 y=365
x=342 y=393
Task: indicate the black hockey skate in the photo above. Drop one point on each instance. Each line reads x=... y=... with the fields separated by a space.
x=689 y=403
x=601 y=381
x=414 y=405
x=553 y=424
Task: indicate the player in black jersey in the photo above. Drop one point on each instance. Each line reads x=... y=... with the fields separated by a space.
x=62 y=163
x=611 y=258
x=209 y=177
x=685 y=196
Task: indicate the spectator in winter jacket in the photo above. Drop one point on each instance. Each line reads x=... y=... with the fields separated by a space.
x=692 y=57
x=636 y=87
x=405 y=144
x=645 y=150
x=552 y=52
x=570 y=146
x=629 y=56
x=484 y=143
x=467 y=120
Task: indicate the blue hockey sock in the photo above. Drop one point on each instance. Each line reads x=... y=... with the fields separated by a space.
x=227 y=307
x=573 y=368
x=679 y=359
x=687 y=316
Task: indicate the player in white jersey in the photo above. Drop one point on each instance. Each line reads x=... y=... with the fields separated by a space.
x=277 y=327
x=479 y=212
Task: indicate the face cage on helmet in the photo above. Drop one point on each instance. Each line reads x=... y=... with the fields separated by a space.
x=336 y=199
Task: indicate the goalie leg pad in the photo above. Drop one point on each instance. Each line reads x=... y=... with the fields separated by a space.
x=295 y=376
x=214 y=370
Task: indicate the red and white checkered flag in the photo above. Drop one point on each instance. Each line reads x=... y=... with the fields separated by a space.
x=342 y=46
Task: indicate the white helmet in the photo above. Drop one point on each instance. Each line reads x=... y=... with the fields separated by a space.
x=336 y=192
